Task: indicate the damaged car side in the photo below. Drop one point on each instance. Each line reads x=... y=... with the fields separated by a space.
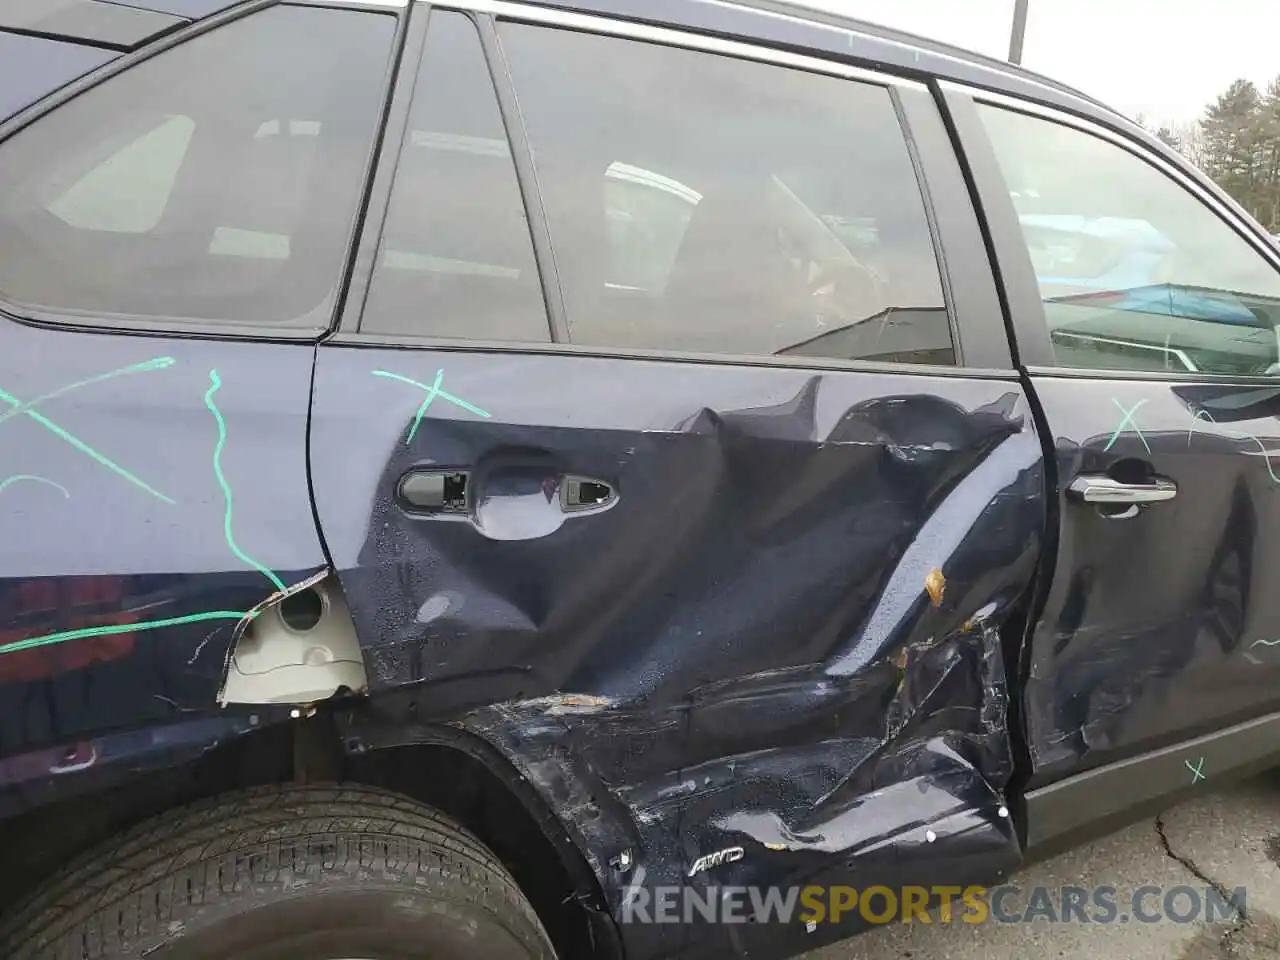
x=446 y=501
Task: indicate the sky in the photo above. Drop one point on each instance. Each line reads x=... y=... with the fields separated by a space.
x=1164 y=59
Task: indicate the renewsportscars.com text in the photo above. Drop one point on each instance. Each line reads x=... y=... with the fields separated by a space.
x=1009 y=903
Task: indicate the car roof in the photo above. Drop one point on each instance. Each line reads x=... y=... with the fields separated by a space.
x=798 y=28
x=790 y=25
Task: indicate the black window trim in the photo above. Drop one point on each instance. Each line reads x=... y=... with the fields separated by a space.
x=1023 y=293
x=84 y=29
x=500 y=347
x=947 y=231
x=210 y=329
x=351 y=316
x=395 y=123
x=978 y=330
x=530 y=189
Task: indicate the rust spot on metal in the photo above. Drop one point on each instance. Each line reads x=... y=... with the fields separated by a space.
x=934 y=584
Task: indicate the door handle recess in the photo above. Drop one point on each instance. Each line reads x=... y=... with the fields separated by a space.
x=579 y=494
x=435 y=491
x=1100 y=488
x=517 y=502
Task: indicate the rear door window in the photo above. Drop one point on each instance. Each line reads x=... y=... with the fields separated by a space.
x=707 y=204
x=218 y=180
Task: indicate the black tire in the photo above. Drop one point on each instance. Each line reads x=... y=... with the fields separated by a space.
x=284 y=873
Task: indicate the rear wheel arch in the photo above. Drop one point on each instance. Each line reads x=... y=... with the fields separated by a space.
x=463 y=775
x=453 y=771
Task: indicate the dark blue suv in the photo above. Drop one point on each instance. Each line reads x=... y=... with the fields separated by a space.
x=557 y=479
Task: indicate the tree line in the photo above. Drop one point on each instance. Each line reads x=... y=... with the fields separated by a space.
x=1237 y=142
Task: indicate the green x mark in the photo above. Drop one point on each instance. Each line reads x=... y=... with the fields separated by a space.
x=1127 y=421
x=1197 y=770
x=432 y=391
x=28 y=408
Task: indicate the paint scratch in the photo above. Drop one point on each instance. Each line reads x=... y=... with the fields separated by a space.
x=19 y=477
x=1237 y=434
x=214 y=384
x=432 y=392
x=155 y=363
x=24 y=408
x=201 y=645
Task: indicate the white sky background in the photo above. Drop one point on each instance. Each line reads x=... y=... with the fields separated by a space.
x=1166 y=59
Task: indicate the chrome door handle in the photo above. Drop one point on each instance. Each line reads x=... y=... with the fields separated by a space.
x=1100 y=488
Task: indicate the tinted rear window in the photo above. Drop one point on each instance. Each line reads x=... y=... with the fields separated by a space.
x=217 y=180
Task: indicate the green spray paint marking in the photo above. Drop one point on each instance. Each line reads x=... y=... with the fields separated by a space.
x=156 y=363
x=83 y=447
x=1238 y=434
x=28 y=409
x=214 y=383
x=118 y=628
x=1197 y=770
x=17 y=477
x=432 y=392
x=159 y=363
x=1127 y=420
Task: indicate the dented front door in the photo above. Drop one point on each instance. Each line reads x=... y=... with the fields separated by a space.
x=1147 y=314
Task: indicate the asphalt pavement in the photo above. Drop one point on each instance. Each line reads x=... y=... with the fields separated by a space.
x=1224 y=839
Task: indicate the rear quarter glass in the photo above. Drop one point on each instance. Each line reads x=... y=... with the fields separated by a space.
x=33 y=67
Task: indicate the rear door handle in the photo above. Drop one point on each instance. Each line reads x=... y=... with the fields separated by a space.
x=517 y=500
x=1100 y=488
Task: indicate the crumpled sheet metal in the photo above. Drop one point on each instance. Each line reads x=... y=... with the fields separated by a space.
x=890 y=771
x=785 y=636
x=906 y=786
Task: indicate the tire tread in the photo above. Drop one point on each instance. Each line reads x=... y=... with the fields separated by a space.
x=163 y=870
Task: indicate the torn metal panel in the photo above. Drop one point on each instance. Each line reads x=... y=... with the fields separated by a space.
x=922 y=761
x=554 y=749
x=298 y=646
x=790 y=615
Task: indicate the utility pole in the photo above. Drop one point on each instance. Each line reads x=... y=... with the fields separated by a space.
x=1019 y=31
